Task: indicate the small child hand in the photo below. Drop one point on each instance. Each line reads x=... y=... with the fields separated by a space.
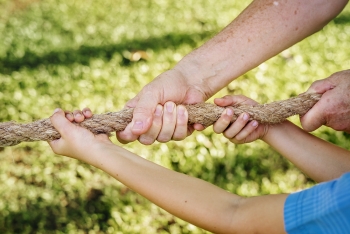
x=242 y=130
x=75 y=142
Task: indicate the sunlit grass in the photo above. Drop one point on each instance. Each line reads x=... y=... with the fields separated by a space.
x=72 y=54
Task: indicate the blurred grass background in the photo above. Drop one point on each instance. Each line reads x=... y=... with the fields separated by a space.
x=72 y=54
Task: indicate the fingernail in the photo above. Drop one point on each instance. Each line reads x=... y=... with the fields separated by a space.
x=77 y=115
x=170 y=107
x=87 y=112
x=181 y=110
x=229 y=111
x=137 y=125
x=69 y=116
x=255 y=123
x=245 y=116
x=56 y=110
x=158 y=111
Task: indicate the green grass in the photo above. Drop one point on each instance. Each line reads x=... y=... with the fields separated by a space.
x=72 y=54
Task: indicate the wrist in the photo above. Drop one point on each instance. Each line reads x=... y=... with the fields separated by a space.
x=196 y=76
x=276 y=132
x=94 y=153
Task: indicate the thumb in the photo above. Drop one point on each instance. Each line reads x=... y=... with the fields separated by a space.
x=143 y=113
x=320 y=86
x=314 y=118
x=60 y=122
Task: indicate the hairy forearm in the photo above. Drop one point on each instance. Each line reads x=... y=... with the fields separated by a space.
x=262 y=30
x=320 y=160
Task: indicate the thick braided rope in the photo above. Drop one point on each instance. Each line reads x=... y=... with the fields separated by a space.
x=12 y=133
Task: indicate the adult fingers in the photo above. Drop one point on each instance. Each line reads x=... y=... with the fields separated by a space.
x=126 y=135
x=169 y=122
x=320 y=86
x=314 y=118
x=143 y=112
x=181 y=130
x=152 y=134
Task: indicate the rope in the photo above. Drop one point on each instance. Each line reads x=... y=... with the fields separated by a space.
x=12 y=133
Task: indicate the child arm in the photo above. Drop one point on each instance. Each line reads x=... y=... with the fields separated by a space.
x=188 y=198
x=319 y=159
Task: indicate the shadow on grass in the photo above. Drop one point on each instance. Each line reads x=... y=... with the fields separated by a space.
x=342 y=19
x=40 y=215
x=85 y=53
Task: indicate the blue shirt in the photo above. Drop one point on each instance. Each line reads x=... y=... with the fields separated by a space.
x=324 y=208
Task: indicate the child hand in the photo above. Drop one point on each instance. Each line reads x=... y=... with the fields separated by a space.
x=75 y=142
x=242 y=130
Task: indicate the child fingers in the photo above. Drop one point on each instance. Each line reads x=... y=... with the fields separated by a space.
x=224 y=101
x=59 y=121
x=87 y=112
x=237 y=126
x=224 y=121
x=246 y=131
x=151 y=135
x=78 y=116
x=69 y=115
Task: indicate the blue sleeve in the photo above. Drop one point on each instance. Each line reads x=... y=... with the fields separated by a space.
x=324 y=208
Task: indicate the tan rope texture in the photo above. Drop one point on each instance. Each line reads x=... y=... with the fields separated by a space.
x=12 y=133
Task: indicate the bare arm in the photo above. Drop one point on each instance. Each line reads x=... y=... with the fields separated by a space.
x=191 y=199
x=262 y=30
x=319 y=159
x=333 y=110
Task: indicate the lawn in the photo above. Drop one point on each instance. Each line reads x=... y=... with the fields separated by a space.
x=73 y=54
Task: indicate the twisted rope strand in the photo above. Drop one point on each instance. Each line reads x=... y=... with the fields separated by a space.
x=12 y=133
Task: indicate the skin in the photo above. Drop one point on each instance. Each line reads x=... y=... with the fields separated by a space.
x=191 y=199
x=293 y=143
x=333 y=110
x=195 y=200
x=262 y=30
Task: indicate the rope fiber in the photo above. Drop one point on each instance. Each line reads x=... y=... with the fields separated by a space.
x=12 y=133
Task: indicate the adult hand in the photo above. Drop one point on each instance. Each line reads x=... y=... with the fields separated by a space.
x=333 y=110
x=171 y=86
x=242 y=130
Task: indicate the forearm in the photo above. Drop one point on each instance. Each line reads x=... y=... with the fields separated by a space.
x=191 y=199
x=262 y=30
x=319 y=159
x=188 y=198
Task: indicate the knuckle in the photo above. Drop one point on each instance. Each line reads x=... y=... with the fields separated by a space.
x=179 y=137
x=163 y=139
x=227 y=135
x=239 y=138
x=124 y=137
x=146 y=140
